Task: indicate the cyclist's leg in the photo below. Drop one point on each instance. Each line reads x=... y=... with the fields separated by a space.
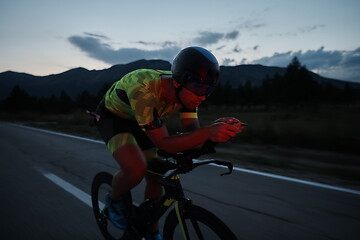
x=153 y=189
x=120 y=138
x=133 y=167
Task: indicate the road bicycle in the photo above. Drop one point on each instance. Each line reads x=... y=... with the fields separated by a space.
x=184 y=221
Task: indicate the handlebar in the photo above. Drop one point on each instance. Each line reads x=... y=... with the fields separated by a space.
x=185 y=160
x=227 y=164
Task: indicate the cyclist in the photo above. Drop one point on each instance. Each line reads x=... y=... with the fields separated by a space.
x=131 y=114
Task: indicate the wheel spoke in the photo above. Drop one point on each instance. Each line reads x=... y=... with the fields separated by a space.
x=197 y=229
x=101 y=185
x=201 y=224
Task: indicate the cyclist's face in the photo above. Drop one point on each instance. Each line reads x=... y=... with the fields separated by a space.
x=190 y=99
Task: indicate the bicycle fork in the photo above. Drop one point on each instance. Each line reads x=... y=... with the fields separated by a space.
x=174 y=194
x=182 y=210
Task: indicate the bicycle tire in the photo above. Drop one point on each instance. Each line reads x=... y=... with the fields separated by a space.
x=104 y=179
x=207 y=222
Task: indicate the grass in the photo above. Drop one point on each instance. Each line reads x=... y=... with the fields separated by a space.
x=340 y=169
x=77 y=123
x=326 y=128
x=319 y=141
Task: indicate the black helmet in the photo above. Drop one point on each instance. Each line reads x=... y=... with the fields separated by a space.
x=196 y=69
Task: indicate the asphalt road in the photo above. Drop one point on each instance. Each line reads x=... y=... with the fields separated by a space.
x=33 y=206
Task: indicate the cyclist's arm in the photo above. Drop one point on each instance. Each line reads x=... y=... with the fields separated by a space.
x=219 y=132
x=189 y=119
x=190 y=124
x=176 y=143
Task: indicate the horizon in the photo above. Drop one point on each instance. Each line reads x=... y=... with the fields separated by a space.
x=257 y=64
x=243 y=64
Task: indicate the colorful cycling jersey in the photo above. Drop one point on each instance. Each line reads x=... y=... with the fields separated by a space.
x=137 y=96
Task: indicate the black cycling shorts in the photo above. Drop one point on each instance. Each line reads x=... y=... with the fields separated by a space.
x=118 y=132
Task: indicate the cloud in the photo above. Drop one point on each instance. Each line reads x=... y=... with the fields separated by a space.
x=221 y=47
x=96 y=46
x=158 y=44
x=296 y=32
x=232 y=35
x=93 y=45
x=250 y=25
x=228 y=61
x=145 y=43
x=311 y=28
x=206 y=38
x=96 y=35
x=344 y=65
x=237 y=49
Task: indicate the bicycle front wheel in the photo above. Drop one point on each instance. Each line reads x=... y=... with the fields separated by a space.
x=200 y=224
x=100 y=186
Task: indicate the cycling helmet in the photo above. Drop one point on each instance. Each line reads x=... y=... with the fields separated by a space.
x=197 y=70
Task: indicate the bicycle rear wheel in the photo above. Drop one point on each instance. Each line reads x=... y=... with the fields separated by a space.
x=200 y=223
x=100 y=186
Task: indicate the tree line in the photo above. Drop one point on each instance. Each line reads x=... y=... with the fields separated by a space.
x=19 y=100
x=295 y=88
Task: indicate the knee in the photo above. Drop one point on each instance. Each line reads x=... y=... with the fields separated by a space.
x=132 y=163
x=136 y=174
x=134 y=171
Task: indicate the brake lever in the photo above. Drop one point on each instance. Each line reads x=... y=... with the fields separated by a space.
x=227 y=173
x=230 y=167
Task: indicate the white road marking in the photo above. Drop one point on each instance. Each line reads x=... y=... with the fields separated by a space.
x=79 y=194
x=290 y=179
x=59 y=134
x=76 y=192
x=296 y=180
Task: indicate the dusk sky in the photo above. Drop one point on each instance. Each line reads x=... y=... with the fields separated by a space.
x=43 y=37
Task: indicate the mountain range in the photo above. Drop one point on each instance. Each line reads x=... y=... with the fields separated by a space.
x=77 y=80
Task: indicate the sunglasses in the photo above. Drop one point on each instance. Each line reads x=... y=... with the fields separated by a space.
x=199 y=88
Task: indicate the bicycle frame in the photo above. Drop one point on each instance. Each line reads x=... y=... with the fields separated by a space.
x=150 y=211
x=167 y=172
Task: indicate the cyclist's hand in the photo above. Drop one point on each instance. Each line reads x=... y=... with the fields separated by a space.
x=232 y=121
x=222 y=132
x=228 y=120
